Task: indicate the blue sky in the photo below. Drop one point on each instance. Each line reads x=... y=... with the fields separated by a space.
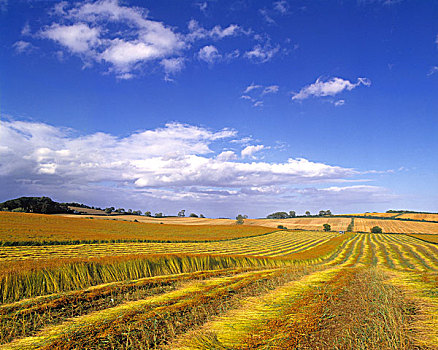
x=221 y=107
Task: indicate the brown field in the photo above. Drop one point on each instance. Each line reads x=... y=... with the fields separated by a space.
x=395 y=226
x=426 y=217
x=38 y=227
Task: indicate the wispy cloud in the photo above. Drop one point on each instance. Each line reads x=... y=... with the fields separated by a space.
x=23 y=47
x=255 y=93
x=329 y=87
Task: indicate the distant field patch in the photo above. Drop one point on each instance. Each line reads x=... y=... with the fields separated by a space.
x=381 y=215
x=395 y=226
x=310 y=223
x=415 y=216
x=427 y=238
x=22 y=227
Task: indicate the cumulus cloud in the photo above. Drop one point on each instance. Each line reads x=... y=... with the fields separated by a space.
x=226 y=155
x=330 y=87
x=339 y=103
x=209 y=54
x=124 y=40
x=78 y=38
x=172 y=164
x=249 y=151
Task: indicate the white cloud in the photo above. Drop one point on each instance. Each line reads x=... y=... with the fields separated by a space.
x=330 y=87
x=87 y=29
x=339 y=103
x=249 y=151
x=78 y=38
x=157 y=167
x=23 y=47
x=258 y=104
x=262 y=54
x=196 y=31
x=172 y=65
x=433 y=70
x=281 y=6
x=255 y=93
x=226 y=155
x=209 y=54
x=266 y=16
x=273 y=89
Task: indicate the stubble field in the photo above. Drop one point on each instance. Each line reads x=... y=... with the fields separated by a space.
x=279 y=290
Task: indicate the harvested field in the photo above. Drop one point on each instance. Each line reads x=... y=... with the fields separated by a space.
x=428 y=238
x=311 y=223
x=279 y=243
x=20 y=227
x=382 y=215
x=282 y=290
x=415 y=216
x=395 y=226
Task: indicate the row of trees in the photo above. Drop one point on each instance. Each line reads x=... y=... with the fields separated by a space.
x=292 y=214
x=182 y=214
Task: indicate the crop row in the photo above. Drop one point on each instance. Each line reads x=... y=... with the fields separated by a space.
x=279 y=243
x=154 y=320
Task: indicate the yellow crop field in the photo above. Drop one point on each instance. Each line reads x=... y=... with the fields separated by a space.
x=415 y=216
x=395 y=226
x=427 y=237
x=282 y=290
x=382 y=215
x=38 y=227
x=310 y=223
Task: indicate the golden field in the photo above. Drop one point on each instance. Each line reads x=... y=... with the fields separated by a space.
x=382 y=215
x=395 y=226
x=415 y=216
x=40 y=227
x=275 y=290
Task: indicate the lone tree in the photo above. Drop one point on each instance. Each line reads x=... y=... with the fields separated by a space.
x=292 y=214
x=327 y=227
x=240 y=218
x=307 y=213
x=376 y=229
x=182 y=213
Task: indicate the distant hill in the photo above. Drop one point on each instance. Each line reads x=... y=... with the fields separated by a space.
x=41 y=205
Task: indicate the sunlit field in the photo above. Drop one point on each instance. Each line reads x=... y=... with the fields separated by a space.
x=280 y=289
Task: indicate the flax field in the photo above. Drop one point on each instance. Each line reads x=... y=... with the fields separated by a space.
x=264 y=289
